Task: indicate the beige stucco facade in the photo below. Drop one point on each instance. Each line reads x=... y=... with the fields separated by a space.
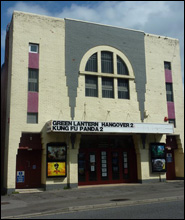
x=165 y=49
x=51 y=86
x=54 y=103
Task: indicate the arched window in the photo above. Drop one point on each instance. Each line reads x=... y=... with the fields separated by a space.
x=106 y=62
x=121 y=67
x=92 y=63
x=110 y=69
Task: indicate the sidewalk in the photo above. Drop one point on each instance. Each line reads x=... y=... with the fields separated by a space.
x=90 y=197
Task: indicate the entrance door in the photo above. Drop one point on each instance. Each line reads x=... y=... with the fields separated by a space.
x=170 y=174
x=106 y=165
x=87 y=166
x=28 y=169
x=171 y=145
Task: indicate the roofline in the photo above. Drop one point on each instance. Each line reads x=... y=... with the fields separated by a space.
x=15 y=11
x=160 y=36
x=129 y=29
x=29 y=13
x=72 y=19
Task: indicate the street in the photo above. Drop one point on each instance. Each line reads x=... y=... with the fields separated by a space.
x=162 y=210
x=121 y=201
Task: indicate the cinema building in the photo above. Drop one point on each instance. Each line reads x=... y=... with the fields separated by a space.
x=85 y=104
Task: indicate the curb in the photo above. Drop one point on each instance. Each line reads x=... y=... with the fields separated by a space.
x=39 y=190
x=125 y=203
x=97 y=206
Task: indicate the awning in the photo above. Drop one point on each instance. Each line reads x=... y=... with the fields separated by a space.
x=108 y=127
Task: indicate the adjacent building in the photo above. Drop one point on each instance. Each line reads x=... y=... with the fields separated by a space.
x=85 y=103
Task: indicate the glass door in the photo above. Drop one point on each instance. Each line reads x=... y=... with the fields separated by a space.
x=104 y=165
x=106 y=162
x=92 y=167
x=115 y=166
x=81 y=167
x=125 y=165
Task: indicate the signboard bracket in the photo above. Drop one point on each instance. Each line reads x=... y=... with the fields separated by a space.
x=73 y=137
x=143 y=138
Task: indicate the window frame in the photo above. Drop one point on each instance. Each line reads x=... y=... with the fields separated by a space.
x=37 y=48
x=125 y=93
x=167 y=65
x=106 y=88
x=93 y=59
x=169 y=93
x=116 y=54
x=107 y=62
x=121 y=62
x=32 y=114
x=29 y=78
x=91 y=85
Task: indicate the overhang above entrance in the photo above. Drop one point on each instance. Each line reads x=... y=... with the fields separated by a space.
x=108 y=127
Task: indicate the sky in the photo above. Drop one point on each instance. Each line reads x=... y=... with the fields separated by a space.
x=164 y=18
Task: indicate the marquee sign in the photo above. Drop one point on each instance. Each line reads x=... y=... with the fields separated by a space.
x=108 y=127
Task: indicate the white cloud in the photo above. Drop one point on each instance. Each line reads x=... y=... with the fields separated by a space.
x=28 y=7
x=150 y=16
x=78 y=12
x=127 y=14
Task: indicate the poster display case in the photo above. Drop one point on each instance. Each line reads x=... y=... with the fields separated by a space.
x=56 y=160
x=158 y=157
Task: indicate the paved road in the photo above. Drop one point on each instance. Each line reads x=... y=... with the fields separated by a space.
x=151 y=210
x=90 y=198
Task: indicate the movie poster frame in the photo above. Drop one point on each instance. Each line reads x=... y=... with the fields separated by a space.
x=161 y=158
x=63 y=158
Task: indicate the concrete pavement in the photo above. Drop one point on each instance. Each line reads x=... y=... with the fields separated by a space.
x=34 y=202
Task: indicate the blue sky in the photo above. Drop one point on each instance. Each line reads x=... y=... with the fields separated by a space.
x=165 y=18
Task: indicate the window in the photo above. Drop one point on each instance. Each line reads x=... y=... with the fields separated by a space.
x=121 y=67
x=111 y=69
x=32 y=118
x=91 y=86
x=106 y=62
x=169 y=92
x=167 y=65
x=33 y=80
x=172 y=121
x=92 y=63
x=107 y=87
x=123 y=89
x=33 y=48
